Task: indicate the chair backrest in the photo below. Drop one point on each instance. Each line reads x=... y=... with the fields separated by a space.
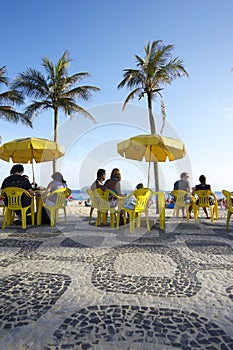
x=68 y=192
x=14 y=197
x=229 y=198
x=180 y=197
x=95 y=196
x=142 y=196
x=204 y=198
x=61 y=194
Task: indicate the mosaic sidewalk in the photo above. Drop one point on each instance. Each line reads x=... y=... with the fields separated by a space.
x=82 y=287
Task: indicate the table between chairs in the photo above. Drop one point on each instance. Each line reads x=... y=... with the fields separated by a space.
x=39 y=205
x=161 y=208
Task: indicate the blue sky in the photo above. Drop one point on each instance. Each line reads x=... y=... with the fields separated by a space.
x=102 y=38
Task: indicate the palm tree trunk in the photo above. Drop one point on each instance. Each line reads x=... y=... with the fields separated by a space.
x=153 y=131
x=55 y=136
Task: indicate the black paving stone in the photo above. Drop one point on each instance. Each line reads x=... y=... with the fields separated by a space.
x=28 y=296
x=154 y=325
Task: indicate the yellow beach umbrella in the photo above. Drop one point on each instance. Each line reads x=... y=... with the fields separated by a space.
x=151 y=148
x=29 y=149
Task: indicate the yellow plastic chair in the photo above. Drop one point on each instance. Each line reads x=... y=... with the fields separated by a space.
x=2 y=205
x=101 y=201
x=113 y=204
x=229 y=198
x=203 y=201
x=142 y=196
x=61 y=195
x=14 y=198
x=181 y=202
x=95 y=196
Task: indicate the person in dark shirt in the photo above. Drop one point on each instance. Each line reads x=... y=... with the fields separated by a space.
x=98 y=183
x=203 y=186
x=17 y=180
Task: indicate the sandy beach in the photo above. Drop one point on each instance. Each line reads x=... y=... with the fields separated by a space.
x=76 y=207
x=78 y=286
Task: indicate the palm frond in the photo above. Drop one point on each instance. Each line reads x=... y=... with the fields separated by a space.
x=137 y=92
x=83 y=92
x=35 y=107
x=11 y=115
x=3 y=78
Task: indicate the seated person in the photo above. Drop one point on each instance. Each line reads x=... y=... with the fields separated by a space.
x=114 y=183
x=16 y=179
x=203 y=186
x=56 y=183
x=98 y=183
x=131 y=201
x=183 y=184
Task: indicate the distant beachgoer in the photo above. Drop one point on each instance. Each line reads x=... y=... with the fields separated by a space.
x=88 y=203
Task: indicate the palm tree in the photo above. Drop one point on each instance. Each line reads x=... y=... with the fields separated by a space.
x=155 y=70
x=57 y=90
x=11 y=97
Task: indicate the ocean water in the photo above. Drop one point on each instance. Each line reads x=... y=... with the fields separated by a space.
x=82 y=195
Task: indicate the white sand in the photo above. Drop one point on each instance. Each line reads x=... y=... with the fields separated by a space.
x=76 y=207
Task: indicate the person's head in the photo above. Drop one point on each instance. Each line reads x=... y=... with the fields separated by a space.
x=58 y=177
x=139 y=186
x=116 y=174
x=101 y=174
x=17 y=168
x=202 y=179
x=184 y=176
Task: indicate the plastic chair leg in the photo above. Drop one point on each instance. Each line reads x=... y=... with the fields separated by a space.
x=90 y=216
x=98 y=218
x=112 y=219
x=24 y=223
x=131 y=224
x=211 y=214
x=228 y=219
x=52 y=217
x=147 y=222
x=65 y=215
x=138 y=220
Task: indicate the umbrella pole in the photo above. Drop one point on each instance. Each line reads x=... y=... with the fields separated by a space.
x=148 y=181
x=33 y=175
